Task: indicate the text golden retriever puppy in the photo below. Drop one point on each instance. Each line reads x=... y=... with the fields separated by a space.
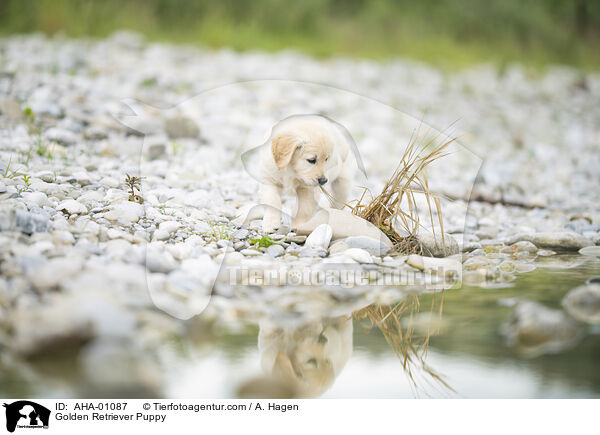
x=304 y=152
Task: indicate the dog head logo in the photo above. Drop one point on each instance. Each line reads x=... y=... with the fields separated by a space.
x=26 y=414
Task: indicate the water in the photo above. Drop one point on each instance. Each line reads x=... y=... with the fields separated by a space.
x=470 y=352
x=464 y=345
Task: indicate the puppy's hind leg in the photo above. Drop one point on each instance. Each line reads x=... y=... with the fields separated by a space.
x=270 y=198
x=340 y=190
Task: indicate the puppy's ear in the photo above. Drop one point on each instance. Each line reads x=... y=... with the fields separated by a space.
x=283 y=369
x=283 y=146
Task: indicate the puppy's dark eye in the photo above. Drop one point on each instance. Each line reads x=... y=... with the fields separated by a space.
x=312 y=161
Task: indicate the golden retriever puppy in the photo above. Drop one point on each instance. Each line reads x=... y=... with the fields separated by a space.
x=304 y=152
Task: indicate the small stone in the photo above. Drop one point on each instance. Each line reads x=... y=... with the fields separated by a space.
x=593 y=251
x=337 y=247
x=240 y=234
x=250 y=252
x=566 y=240
x=110 y=182
x=125 y=212
x=181 y=126
x=114 y=233
x=180 y=251
x=339 y=259
x=307 y=251
x=159 y=261
x=373 y=246
x=82 y=178
x=46 y=176
x=91 y=198
x=478 y=262
x=169 y=226
x=156 y=147
x=471 y=246
x=492 y=245
x=320 y=237
x=64 y=237
x=202 y=227
x=485 y=232
x=436 y=246
x=523 y=246
x=61 y=135
x=293 y=248
x=507 y=266
x=524 y=267
x=583 y=303
x=343 y=224
x=71 y=206
x=233 y=258
x=359 y=255
x=26 y=222
x=49 y=108
x=440 y=266
x=38 y=198
x=536 y=330
x=223 y=243
x=95 y=132
x=545 y=253
x=275 y=251
x=161 y=235
x=295 y=239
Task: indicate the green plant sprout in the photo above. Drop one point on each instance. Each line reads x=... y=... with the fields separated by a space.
x=27 y=182
x=8 y=173
x=133 y=184
x=264 y=242
x=219 y=232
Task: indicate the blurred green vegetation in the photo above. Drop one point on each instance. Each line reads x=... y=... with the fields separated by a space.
x=448 y=33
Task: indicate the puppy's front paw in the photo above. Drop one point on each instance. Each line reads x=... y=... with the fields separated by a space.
x=269 y=225
x=296 y=223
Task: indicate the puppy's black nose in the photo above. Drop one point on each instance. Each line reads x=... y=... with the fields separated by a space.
x=322 y=180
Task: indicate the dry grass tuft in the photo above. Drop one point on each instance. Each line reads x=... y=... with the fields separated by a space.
x=410 y=346
x=407 y=181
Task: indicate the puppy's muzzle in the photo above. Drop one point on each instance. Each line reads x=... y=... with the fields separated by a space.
x=322 y=180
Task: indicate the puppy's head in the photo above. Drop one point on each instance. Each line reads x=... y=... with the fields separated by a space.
x=306 y=150
x=309 y=357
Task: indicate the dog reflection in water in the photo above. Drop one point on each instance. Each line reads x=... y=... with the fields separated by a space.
x=305 y=359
